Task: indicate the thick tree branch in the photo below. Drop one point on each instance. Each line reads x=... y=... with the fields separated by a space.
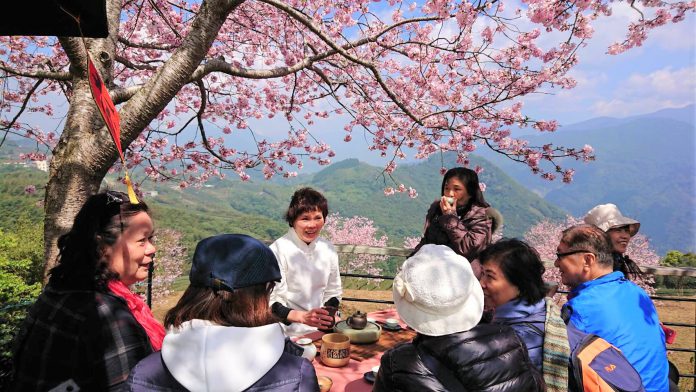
x=219 y=65
x=176 y=72
x=122 y=94
x=38 y=74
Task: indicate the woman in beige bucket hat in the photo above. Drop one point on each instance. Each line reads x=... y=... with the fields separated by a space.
x=620 y=229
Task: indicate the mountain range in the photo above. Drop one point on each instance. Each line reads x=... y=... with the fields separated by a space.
x=644 y=164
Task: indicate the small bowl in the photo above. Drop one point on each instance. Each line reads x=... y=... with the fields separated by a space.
x=325 y=383
x=303 y=341
x=391 y=323
x=375 y=369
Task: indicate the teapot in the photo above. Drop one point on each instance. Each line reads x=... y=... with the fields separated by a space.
x=358 y=320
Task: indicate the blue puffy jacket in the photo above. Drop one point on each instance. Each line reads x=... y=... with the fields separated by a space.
x=528 y=322
x=621 y=313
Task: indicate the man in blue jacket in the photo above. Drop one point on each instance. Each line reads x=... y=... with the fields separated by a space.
x=605 y=303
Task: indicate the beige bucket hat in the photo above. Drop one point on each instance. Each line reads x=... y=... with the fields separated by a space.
x=436 y=292
x=608 y=216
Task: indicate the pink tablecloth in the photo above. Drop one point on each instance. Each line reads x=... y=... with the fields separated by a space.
x=350 y=377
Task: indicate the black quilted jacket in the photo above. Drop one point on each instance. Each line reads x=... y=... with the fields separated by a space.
x=485 y=358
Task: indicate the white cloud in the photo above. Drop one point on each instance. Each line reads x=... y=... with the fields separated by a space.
x=622 y=108
x=679 y=84
x=643 y=93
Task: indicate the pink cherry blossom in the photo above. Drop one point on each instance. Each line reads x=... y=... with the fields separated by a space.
x=414 y=80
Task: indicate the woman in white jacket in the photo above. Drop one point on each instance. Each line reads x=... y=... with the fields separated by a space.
x=309 y=265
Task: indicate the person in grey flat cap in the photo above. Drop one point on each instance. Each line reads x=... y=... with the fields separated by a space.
x=620 y=229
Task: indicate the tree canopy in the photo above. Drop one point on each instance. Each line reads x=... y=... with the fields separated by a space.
x=418 y=78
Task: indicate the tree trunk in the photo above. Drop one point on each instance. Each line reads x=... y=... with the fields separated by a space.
x=85 y=151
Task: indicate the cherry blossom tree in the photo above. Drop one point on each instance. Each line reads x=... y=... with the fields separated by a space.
x=418 y=78
x=545 y=236
x=411 y=242
x=356 y=230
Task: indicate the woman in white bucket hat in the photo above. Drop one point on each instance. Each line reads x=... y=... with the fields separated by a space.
x=620 y=229
x=437 y=294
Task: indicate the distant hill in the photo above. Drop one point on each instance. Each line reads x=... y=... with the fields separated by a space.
x=645 y=164
x=352 y=188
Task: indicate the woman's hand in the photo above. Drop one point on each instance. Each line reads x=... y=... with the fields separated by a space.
x=318 y=317
x=446 y=207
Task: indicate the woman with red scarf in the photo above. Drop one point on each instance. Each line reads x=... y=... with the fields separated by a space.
x=87 y=329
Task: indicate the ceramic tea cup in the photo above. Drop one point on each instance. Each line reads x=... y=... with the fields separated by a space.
x=325 y=383
x=375 y=370
x=391 y=323
x=332 y=313
x=335 y=350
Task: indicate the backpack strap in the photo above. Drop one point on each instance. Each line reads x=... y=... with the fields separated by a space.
x=566 y=312
x=442 y=372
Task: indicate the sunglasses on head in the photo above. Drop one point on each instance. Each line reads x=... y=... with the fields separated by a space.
x=114 y=197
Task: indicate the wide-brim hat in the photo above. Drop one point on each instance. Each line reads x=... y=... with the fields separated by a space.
x=608 y=216
x=232 y=261
x=436 y=292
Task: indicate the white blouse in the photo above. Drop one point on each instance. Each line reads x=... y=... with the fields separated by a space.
x=310 y=276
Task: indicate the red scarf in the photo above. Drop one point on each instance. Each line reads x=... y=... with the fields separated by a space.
x=141 y=312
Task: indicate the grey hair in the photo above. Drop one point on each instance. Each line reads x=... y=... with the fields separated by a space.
x=591 y=238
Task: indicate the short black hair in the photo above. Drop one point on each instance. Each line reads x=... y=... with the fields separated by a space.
x=521 y=265
x=305 y=200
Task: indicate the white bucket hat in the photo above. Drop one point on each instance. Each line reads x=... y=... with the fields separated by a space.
x=436 y=292
x=608 y=216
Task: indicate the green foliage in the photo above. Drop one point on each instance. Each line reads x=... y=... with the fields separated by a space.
x=21 y=260
x=675 y=258
x=14 y=202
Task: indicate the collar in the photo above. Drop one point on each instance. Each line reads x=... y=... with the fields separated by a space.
x=517 y=308
x=610 y=277
x=292 y=234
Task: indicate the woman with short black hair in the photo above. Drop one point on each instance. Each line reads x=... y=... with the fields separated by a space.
x=513 y=285
x=311 y=284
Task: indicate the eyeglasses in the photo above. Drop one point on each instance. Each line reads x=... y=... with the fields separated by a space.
x=571 y=252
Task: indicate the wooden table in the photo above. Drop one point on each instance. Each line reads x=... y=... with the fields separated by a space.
x=363 y=356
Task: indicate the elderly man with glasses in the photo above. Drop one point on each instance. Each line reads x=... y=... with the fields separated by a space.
x=603 y=302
